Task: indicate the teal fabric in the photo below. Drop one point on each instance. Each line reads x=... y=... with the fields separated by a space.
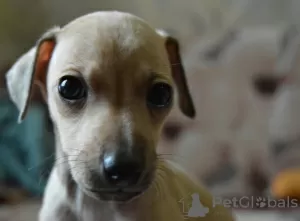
x=26 y=149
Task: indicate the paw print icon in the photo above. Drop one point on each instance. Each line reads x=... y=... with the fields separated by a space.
x=260 y=202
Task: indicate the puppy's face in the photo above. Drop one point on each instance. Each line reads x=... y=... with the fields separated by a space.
x=108 y=103
x=109 y=88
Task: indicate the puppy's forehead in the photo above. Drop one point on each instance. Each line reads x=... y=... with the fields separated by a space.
x=105 y=38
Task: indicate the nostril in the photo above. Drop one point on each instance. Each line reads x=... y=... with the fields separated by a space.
x=121 y=171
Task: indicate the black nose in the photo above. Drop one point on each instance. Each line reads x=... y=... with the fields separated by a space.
x=122 y=169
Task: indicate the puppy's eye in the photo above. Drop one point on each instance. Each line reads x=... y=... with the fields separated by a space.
x=266 y=85
x=159 y=95
x=72 y=88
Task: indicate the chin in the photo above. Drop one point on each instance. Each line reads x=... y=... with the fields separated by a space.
x=116 y=195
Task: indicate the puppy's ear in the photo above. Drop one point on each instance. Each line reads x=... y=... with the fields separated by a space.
x=30 y=68
x=185 y=100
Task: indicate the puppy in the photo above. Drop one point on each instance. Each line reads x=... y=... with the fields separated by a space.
x=109 y=80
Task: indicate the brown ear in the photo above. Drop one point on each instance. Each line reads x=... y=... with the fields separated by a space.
x=30 y=68
x=185 y=100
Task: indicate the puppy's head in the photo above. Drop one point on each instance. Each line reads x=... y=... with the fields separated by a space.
x=109 y=82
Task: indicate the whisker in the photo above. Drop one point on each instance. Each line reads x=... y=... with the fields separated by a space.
x=163 y=156
x=158 y=190
x=174 y=64
x=145 y=173
x=78 y=166
x=41 y=177
x=42 y=163
x=160 y=176
x=49 y=170
x=47 y=159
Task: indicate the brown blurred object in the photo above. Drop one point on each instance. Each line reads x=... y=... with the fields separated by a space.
x=12 y=196
x=287 y=184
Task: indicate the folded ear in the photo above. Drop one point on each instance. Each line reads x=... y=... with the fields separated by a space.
x=29 y=68
x=185 y=100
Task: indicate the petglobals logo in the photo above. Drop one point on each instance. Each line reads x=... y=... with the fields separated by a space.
x=251 y=202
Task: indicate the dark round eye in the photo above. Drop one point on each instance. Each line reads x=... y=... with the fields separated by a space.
x=71 y=88
x=266 y=85
x=159 y=95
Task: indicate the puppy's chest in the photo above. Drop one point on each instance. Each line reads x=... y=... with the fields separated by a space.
x=89 y=214
x=88 y=209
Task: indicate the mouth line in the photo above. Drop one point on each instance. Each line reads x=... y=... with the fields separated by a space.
x=117 y=195
x=117 y=190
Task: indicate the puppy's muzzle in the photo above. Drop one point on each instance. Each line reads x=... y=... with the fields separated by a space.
x=125 y=171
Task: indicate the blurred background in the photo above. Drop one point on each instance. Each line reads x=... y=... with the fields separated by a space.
x=245 y=138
